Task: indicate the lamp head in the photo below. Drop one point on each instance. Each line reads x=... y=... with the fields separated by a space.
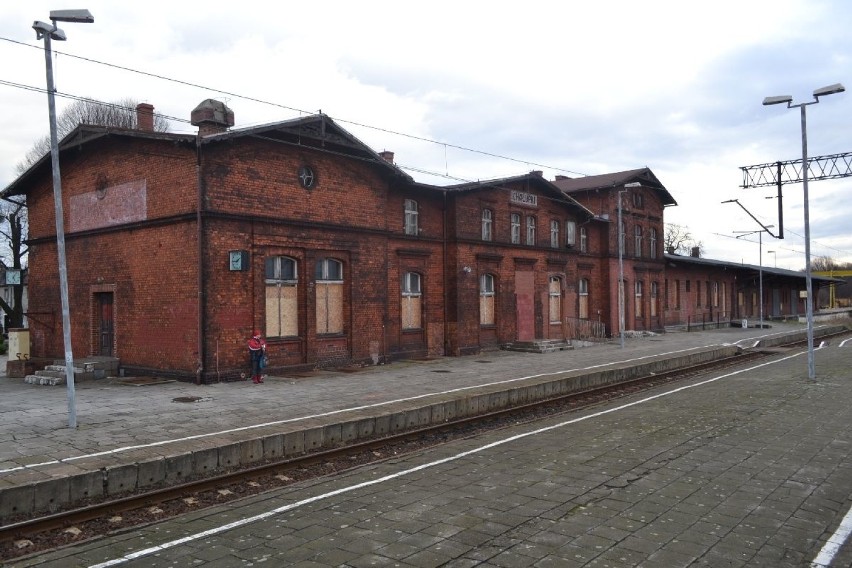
x=783 y=99
x=77 y=16
x=44 y=29
x=829 y=90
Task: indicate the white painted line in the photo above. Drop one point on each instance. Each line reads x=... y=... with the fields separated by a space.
x=844 y=342
x=331 y=413
x=223 y=528
x=834 y=543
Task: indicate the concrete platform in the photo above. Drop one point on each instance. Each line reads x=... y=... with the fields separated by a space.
x=131 y=437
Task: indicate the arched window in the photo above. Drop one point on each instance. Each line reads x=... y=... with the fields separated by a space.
x=329 y=295
x=530 y=230
x=639 y=289
x=654 y=294
x=486 y=299
x=515 y=220
x=583 y=289
x=570 y=233
x=411 y=217
x=487 y=221
x=554 y=292
x=584 y=240
x=412 y=302
x=282 y=308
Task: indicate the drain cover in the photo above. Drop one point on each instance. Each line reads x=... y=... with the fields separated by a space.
x=186 y=399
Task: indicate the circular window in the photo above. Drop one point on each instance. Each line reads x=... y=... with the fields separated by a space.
x=307 y=177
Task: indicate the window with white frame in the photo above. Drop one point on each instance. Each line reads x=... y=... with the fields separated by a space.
x=584 y=240
x=530 y=230
x=637 y=241
x=654 y=294
x=570 y=233
x=412 y=301
x=411 y=217
x=329 y=295
x=486 y=299
x=583 y=290
x=282 y=285
x=515 y=220
x=487 y=224
x=652 y=243
x=639 y=289
x=554 y=233
x=555 y=295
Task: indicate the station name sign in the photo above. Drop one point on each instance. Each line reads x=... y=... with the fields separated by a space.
x=522 y=198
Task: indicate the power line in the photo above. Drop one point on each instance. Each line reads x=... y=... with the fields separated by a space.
x=301 y=111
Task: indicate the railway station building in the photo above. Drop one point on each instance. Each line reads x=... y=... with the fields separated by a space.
x=178 y=246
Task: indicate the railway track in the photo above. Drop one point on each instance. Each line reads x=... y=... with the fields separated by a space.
x=113 y=516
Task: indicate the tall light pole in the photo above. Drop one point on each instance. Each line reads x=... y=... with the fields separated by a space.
x=47 y=32
x=760 y=264
x=621 y=239
x=809 y=301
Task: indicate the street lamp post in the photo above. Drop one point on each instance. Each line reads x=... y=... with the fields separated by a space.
x=774 y=257
x=760 y=264
x=809 y=301
x=621 y=239
x=47 y=32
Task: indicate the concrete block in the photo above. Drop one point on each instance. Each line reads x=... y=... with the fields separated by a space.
x=272 y=446
x=51 y=495
x=294 y=443
x=436 y=413
x=17 y=501
x=365 y=428
x=332 y=435
x=121 y=478
x=179 y=467
x=349 y=431
x=86 y=486
x=151 y=472
x=383 y=425
x=398 y=421
x=251 y=451
x=203 y=462
x=314 y=438
x=229 y=455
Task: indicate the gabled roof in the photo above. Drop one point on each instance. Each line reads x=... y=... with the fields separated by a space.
x=531 y=179
x=318 y=132
x=617 y=179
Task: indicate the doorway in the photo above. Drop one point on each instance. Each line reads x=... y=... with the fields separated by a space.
x=106 y=323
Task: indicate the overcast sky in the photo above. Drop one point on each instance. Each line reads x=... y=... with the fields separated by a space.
x=572 y=88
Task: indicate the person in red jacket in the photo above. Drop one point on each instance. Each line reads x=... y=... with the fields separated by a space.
x=257 y=352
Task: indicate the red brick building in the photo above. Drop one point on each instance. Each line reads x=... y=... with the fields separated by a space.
x=178 y=246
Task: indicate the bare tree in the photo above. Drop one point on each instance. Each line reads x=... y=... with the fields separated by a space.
x=14 y=229
x=119 y=114
x=678 y=240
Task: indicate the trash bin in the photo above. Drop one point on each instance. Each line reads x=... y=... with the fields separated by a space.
x=19 y=344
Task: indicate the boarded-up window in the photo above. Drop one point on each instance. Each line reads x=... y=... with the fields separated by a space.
x=412 y=308
x=584 y=298
x=555 y=295
x=638 y=289
x=282 y=308
x=486 y=299
x=654 y=294
x=329 y=296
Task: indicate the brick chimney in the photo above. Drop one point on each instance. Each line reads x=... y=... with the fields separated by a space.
x=145 y=117
x=695 y=252
x=561 y=177
x=212 y=117
x=538 y=173
x=387 y=156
